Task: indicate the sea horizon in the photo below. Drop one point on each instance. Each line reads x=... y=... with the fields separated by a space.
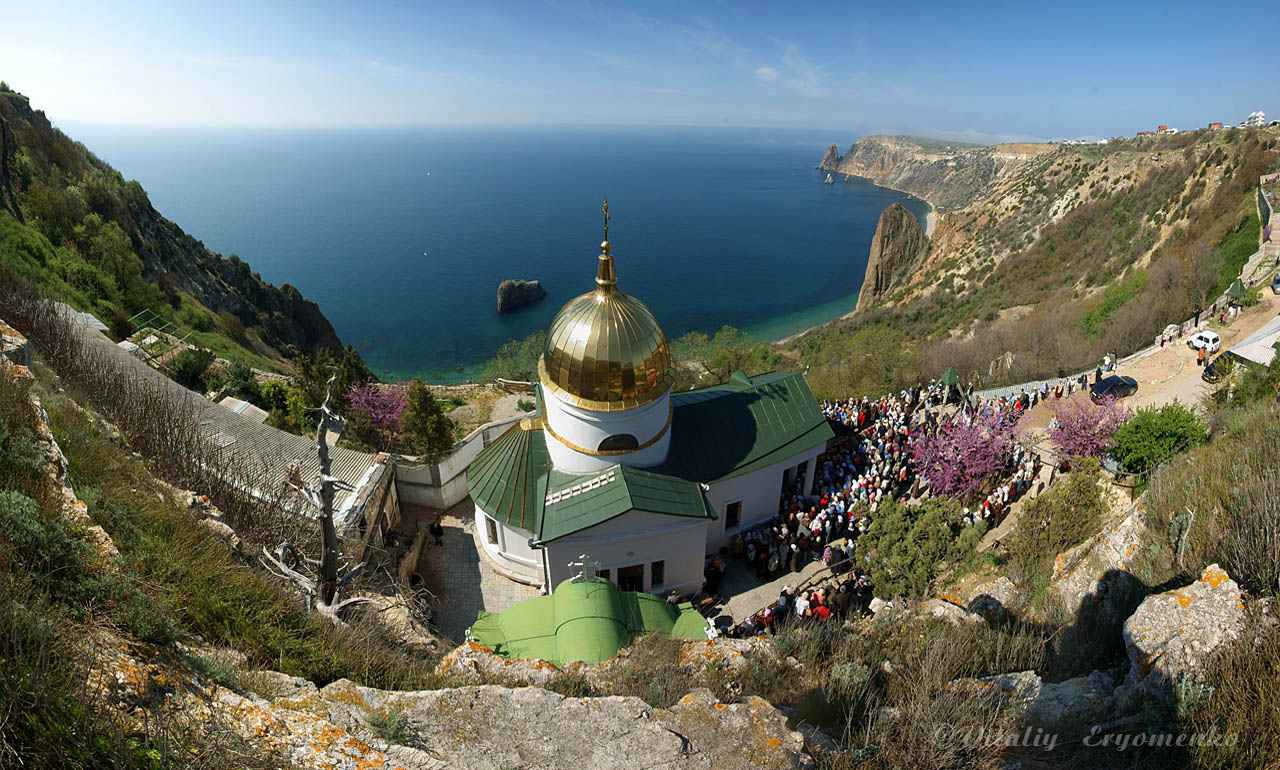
x=402 y=235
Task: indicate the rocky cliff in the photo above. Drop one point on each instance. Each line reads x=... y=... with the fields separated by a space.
x=53 y=184
x=897 y=249
x=948 y=176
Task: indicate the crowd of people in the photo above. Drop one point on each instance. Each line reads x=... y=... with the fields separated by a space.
x=870 y=462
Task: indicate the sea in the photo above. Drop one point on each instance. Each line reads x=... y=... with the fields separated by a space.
x=402 y=236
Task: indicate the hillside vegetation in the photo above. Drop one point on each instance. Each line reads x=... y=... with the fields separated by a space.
x=1059 y=255
x=71 y=223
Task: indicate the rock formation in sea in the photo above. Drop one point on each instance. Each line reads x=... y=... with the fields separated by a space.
x=513 y=294
x=896 y=251
x=831 y=160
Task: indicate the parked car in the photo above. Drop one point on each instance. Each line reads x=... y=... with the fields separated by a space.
x=1115 y=386
x=1275 y=284
x=1208 y=340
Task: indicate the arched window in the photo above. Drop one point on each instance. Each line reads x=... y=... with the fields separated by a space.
x=620 y=442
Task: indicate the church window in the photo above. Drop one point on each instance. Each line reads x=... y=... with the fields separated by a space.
x=657 y=573
x=620 y=442
x=733 y=514
x=492 y=530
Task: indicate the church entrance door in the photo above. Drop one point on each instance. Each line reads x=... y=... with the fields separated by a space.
x=631 y=578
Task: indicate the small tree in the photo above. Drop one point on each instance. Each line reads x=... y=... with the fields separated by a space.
x=374 y=413
x=243 y=383
x=1085 y=429
x=963 y=453
x=190 y=366
x=517 y=359
x=906 y=545
x=323 y=589
x=425 y=428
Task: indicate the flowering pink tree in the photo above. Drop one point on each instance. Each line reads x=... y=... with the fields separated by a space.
x=1085 y=429
x=381 y=405
x=963 y=453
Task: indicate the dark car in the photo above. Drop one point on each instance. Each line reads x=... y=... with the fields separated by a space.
x=1115 y=386
x=1275 y=284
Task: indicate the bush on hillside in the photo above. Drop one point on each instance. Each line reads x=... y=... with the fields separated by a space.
x=425 y=428
x=906 y=546
x=190 y=368
x=1065 y=515
x=1155 y=434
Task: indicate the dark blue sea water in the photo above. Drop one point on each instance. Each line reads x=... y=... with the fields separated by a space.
x=403 y=236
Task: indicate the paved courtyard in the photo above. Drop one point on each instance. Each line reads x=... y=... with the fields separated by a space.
x=462 y=581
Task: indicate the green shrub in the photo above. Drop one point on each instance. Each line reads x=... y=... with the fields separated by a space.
x=1154 y=434
x=1065 y=515
x=907 y=546
x=190 y=366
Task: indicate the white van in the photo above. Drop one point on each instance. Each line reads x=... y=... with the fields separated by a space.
x=1208 y=340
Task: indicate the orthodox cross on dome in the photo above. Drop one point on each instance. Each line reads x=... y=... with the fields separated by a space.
x=606 y=219
x=581 y=565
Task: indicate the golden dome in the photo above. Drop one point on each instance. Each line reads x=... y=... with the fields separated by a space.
x=605 y=350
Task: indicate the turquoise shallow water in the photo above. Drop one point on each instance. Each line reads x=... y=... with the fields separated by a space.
x=403 y=236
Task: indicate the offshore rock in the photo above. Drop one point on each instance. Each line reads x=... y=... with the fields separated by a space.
x=1171 y=635
x=831 y=160
x=513 y=294
x=896 y=251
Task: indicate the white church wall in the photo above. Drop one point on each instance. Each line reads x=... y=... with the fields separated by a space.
x=759 y=493
x=586 y=429
x=512 y=554
x=637 y=538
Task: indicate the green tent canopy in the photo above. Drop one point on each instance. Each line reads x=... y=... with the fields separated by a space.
x=950 y=378
x=1236 y=290
x=587 y=620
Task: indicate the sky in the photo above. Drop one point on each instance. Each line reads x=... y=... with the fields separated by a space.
x=982 y=73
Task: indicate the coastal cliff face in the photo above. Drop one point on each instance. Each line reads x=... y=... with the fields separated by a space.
x=897 y=249
x=948 y=176
x=53 y=184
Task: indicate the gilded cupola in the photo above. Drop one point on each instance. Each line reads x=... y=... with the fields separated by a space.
x=605 y=350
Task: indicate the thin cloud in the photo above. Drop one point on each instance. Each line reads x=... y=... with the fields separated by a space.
x=768 y=74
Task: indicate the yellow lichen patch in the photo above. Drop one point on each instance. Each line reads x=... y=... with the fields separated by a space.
x=1214 y=576
x=775 y=743
x=720 y=706
x=1183 y=600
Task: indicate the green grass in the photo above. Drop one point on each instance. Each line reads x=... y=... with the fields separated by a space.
x=1237 y=247
x=1117 y=293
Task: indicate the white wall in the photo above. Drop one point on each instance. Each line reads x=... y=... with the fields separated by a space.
x=587 y=429
x=512 y=553
x=647 y=537
x=759 y=493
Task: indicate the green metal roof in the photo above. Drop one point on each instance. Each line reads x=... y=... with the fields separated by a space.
x=577 y=502
x=716 y=433
x=588 y=621
x=745 y=424
x=508 y=478
x=1236 y=290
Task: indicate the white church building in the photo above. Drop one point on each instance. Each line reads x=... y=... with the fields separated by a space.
x=614 y=466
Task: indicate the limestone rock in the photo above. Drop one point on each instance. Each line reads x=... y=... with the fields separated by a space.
x=1073 y=704
x=992 y=599
x=1098 y=569
x=489 y=726
x=949 y=610
x=830 y=160
x=513 y=294
x=878 y=604
x=896 y=248
x=1170 y=636
x=14 y=347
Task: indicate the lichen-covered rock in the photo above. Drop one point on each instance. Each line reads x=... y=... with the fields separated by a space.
x=1170 y=636
x=1099 y=569
x=14 y=347
x=992 y=599
x=949 y=609
x=513 y=294
x=1073 y=704
x=490 y=726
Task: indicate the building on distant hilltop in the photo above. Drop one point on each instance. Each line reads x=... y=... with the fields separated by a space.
x=616 y=468
x=1215 y=126
x=1145 y=133
x=1258 y=118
